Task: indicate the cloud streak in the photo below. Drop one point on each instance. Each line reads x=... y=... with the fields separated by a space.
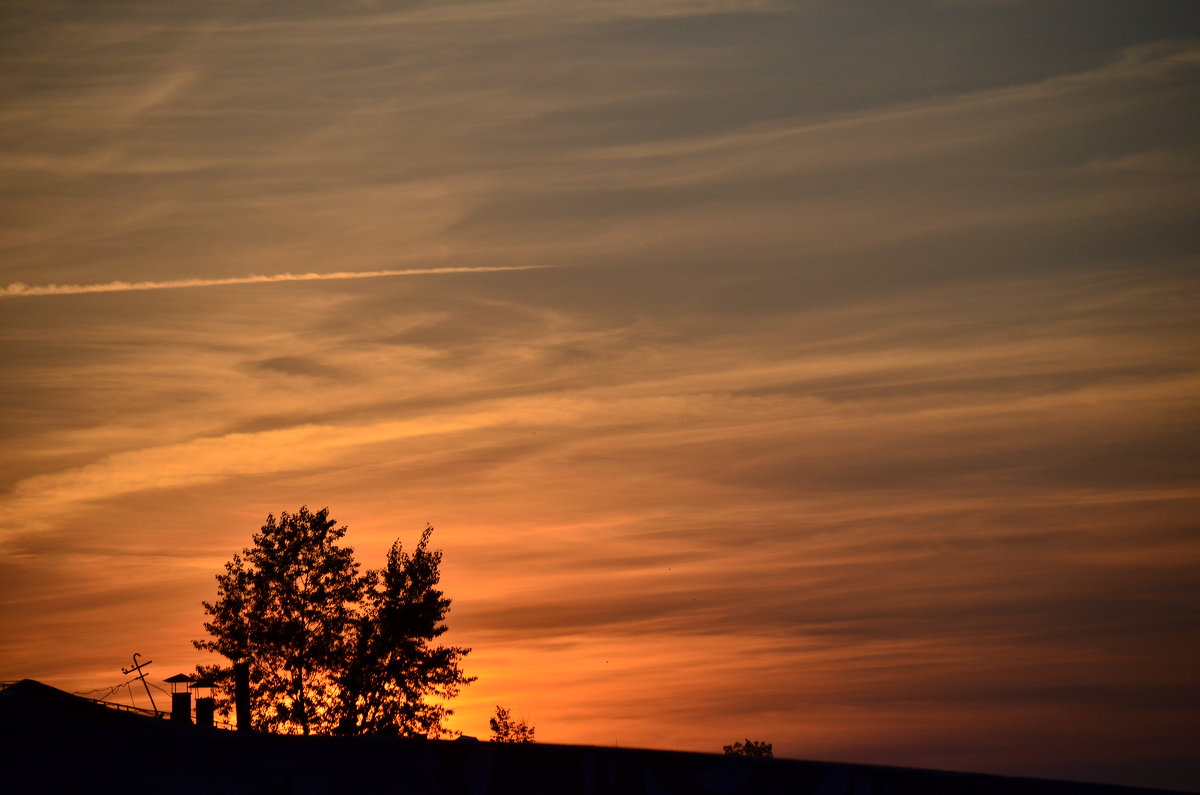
x=23 y=290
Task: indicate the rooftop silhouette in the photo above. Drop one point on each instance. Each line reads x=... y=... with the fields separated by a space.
x=58 y=742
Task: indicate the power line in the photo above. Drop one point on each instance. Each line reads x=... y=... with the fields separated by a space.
x=106 y=693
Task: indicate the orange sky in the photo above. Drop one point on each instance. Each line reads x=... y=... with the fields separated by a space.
x=823 y=373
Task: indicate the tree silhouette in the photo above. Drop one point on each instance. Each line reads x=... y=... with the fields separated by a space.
x=393 y=666
x=752 y=748
x=330 y=649
x=506 y=729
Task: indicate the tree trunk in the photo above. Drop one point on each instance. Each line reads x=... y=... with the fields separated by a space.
x=301 y=704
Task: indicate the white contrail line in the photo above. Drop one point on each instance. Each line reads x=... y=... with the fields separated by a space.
x=22 y=290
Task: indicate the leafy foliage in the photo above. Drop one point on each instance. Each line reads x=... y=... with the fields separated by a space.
x=394 y=667
x=332 y=650
x=752 y=748
x=506 y=729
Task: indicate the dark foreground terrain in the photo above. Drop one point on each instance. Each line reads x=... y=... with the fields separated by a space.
x=51 y=741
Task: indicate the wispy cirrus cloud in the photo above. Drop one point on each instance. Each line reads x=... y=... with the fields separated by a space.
x=22 y=290
x=866 y=429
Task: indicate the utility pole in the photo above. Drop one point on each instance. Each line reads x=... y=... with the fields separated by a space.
x=137 y=666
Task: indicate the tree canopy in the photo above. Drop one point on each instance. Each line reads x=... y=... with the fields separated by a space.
x=332 y=649
x=752 y=748
x=507 y=729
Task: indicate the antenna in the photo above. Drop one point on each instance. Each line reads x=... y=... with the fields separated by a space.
x=137 y=666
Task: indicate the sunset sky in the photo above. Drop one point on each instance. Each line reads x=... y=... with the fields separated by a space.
x=826 y=373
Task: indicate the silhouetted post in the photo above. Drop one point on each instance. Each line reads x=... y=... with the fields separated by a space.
x=138 y=666
x=181 y=699
x=241 y=694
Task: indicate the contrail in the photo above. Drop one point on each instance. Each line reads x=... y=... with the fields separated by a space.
x=22 y=290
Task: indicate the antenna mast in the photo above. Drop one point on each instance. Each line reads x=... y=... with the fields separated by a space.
x=137 y=666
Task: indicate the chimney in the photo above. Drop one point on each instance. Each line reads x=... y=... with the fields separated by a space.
x=206 y=705
x=181 y=699
x=206 y=708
